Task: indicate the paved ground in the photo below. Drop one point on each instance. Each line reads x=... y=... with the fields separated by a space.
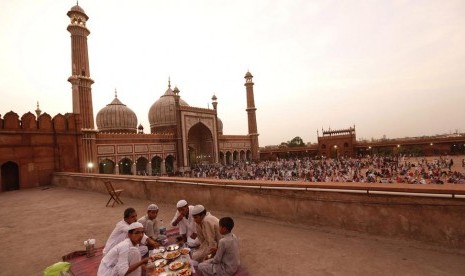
x=40 y=225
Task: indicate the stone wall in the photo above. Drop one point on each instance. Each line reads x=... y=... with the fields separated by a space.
x=433 y=214
x=37 y=147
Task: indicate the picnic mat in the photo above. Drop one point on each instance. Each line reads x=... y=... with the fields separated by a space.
x=82 y=265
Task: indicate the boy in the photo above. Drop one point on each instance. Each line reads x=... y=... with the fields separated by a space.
x=149 y=221
x=124 y=258
x=226 y=261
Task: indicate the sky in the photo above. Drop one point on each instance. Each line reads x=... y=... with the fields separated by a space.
x=393 y=68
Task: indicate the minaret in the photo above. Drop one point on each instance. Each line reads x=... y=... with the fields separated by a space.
x=179 y=137
x=80 y=73
x=252 y=118
x=81 y=88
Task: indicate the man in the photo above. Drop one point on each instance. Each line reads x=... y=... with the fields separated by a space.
x=184 y=219
x=124 y=258
x=208 y=233
x=120 y=233
x=150 y=224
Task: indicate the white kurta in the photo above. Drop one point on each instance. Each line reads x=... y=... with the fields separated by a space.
x=187 y=227
x=151 y=228
x=117 y=261
x=119 y=234
x=208 y=233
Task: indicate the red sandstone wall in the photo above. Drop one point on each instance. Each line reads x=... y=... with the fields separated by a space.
x=39 y=147
x=429 y=219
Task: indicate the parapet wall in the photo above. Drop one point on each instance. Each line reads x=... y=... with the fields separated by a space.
x=432 y=214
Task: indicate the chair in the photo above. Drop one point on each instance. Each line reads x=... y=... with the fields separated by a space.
x=114 y=194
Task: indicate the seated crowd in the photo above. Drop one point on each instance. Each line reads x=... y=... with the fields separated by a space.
x=364 y=169
x=215 y=250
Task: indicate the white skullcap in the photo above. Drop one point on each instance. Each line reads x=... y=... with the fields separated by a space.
x=181 y=203
x=197 y=209
x=152 y=207
x=135 y=225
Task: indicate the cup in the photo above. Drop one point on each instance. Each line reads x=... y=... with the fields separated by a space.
x=90 y=252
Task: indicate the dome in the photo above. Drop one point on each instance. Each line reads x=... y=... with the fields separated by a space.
x=162 y=113
x=77 y=8
x=220 y=125
x=117 y=117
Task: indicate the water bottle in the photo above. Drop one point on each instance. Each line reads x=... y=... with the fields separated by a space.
x=162 y=228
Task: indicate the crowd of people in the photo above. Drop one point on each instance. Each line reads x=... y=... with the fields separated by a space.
x=390 y=169
x=215 y=249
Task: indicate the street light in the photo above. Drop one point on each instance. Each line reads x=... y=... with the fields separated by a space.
x=90 y=165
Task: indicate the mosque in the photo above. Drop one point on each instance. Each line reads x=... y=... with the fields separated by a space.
x=35 y=146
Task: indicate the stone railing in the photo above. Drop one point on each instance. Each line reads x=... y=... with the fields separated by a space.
x=429 y=213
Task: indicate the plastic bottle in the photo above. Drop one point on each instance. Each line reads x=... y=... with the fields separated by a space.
x=162 y=228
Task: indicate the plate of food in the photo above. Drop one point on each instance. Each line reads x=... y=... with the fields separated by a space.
x=157 y=256
x=158 y=271
x=160 y=263
x=184 y=272
x=172 y=247
x=176 y=265
x=185 y=250
x=172 y=255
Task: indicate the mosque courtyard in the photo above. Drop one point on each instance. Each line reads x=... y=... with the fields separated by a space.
x=40 y=225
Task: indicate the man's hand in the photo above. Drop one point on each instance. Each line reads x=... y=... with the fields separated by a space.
x=178 y=219
x=213 y=251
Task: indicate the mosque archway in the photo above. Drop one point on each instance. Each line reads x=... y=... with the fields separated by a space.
x=156 y=165
x=242 y=155
x=248 y=155
x=10 y=176
x=141 y=166
x=169 y=164
x=228 y=158
x=235 y=156
x=334 y=152
x=125 y=166
x=222 y=156
x=106 y=166
x=200 y=140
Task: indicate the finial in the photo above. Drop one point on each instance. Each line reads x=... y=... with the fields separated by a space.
x=77 y=2
x=38 y=111
x=169 y=81
x=116 y=93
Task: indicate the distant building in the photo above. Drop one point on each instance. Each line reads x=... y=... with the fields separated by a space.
x=33 y=147
x=343 y=143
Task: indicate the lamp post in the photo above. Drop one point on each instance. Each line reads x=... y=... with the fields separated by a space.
x=90 y=166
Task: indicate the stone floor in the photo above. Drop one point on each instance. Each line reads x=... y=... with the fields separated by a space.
x=42 y=224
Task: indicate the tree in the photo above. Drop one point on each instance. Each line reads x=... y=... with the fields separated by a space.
x=295 y=142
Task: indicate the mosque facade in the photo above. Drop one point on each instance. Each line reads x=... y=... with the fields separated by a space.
x=35 y=146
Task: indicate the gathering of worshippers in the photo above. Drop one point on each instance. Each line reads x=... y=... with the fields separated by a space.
x=202 y=244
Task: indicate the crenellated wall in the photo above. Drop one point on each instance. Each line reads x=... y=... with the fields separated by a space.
x=432 y=214
x=33 y=148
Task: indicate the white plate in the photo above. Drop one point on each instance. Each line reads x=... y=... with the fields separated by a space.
x=160 y=262
x=172 y=247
